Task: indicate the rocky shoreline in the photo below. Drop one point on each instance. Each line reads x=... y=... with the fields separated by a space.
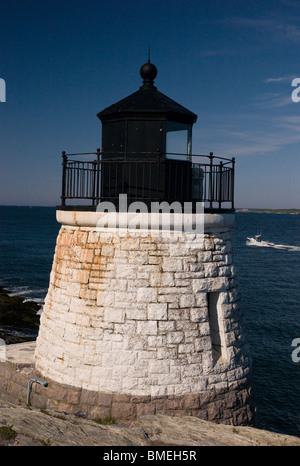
x=19 y=318
x=21 y=426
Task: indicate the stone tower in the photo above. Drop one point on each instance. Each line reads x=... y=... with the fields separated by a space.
x=142 y=316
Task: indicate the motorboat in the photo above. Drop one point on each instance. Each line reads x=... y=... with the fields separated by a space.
x=257 y=241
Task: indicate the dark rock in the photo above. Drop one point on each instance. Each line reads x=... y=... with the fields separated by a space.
x=19 y=319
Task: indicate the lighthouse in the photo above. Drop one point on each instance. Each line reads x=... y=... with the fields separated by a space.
x=142 y=316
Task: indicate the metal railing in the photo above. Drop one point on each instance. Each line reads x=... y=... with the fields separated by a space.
x=149 y=177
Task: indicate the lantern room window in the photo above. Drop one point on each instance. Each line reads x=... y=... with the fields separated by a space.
x=178 y=140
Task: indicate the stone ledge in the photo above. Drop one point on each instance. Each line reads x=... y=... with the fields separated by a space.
x=38 y=428
x=20 y=354
x=145 y=221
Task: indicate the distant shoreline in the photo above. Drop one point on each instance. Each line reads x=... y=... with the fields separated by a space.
x=270 y=211
x=238 y=210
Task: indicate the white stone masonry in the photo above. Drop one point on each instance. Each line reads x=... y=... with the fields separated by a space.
x=127 y=312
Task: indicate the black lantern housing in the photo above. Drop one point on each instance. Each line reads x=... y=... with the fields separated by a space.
x=153 y=135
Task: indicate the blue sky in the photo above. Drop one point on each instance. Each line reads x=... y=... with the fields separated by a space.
x=230 y=62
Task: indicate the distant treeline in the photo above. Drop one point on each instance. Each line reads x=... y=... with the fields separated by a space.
x=271 y=211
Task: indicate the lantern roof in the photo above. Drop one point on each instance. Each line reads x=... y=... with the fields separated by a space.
x=148 y=101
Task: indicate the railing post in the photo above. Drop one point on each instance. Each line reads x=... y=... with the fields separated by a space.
x=211 y=156
x=98 y=176
x=232 y=183
x=64 y=167
x=158 y=178
x=220 y=186
x=94 y=181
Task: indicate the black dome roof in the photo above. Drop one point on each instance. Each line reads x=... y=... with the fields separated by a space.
x=148 y=100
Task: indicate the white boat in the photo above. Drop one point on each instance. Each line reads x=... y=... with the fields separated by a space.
x=257 y=241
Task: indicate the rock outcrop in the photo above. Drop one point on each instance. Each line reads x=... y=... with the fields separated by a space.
x=33 y=427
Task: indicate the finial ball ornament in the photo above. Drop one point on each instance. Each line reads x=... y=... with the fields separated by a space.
x=148 y=72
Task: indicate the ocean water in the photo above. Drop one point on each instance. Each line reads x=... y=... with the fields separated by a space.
x=27 y=243
x=270 y=297
x=269 y=287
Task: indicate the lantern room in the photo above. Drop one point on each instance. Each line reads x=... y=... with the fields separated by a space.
x=147 y=122
x=150 y=127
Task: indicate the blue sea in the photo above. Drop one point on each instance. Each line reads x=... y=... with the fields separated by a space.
x=269 y=287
